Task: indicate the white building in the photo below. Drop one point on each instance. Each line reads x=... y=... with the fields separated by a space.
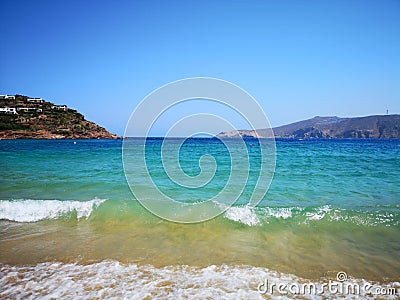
x=59 y=107
x=8 y=110
x=35 y=100
x=6 y=97
x=28 y=109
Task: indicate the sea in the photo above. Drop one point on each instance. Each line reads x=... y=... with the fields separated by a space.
x=71 y=228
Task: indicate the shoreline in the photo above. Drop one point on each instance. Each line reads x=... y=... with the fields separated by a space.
x=112 y=279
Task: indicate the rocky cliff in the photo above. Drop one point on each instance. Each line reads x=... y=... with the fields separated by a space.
x=22 y=117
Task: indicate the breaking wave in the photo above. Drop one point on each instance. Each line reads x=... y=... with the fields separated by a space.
x=28 y=210
x=258 y=216
x=244 y=214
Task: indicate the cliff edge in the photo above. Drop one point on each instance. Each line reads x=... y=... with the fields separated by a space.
x=22 y=117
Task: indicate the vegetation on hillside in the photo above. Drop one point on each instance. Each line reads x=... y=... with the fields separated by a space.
x=46 y=120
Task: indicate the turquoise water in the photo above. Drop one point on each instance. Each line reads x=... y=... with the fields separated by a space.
x=332 y=205
x=356 y=175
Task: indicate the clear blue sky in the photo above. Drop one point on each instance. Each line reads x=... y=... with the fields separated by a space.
x=297 y=58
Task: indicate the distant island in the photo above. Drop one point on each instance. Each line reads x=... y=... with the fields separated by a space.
x=22 y=117
x=379 y=126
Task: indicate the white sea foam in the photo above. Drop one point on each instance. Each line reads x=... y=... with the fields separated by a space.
x=36 y=210
x=318 y=213
x=367 y=218
x=113 y=280
x=256 y=216
x=243 y=214
x=253 y=216
x=279 y=212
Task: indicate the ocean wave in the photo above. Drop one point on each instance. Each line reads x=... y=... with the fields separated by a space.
x=255 y=216
x=244 y=214
x=258 y=216
x=27 y=210
x=113 y=280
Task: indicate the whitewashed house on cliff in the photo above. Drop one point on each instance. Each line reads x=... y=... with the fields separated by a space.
x=60 y=107
x=8 y=110
x=35 y=100
x=6 y=97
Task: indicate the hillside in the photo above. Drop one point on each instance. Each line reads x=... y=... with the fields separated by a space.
x=379 y=126
x=22 y=117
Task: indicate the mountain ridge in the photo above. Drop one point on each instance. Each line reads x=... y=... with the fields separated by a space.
x=374 y=126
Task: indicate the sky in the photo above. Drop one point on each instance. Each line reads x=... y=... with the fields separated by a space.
x=298 y=59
